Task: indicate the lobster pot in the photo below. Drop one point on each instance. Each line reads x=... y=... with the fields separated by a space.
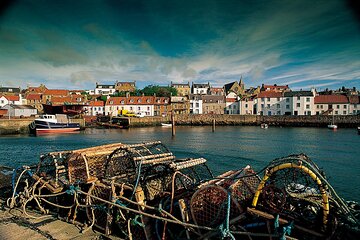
x=245 y=187
x=88 y=165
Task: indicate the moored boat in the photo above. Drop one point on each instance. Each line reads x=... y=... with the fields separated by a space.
x=58 y=123
x=166 y=124
x=358 y=130
x=264 y=126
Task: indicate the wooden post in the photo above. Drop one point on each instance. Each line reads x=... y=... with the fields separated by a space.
x=213 y=125
x=173 y=123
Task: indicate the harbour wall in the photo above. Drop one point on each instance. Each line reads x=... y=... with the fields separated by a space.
x=222 y=119
x=21 y=126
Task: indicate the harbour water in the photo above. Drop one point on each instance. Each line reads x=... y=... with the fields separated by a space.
x=229 y=147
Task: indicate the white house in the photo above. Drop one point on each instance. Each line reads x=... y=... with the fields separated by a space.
x=200 y=88
x=195 y=104
x=140 y=105
x=299 y=103
x=354 y=107
x=10 y=99
x=331 y=104
x=94 y=108
x=232 y=106
x=246 y=105
x=20 y=110
x=269 y=103
x=104 y=89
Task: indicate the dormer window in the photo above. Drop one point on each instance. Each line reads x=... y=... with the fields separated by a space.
x=111 y=102
x=122 y=102
x=148 y=100
x=131 y=100
x=139 y=100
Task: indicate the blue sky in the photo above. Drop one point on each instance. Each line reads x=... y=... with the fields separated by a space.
x=74 y=44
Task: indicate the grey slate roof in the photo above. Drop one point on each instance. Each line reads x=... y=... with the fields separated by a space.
x=21 y=106
x=228 y=86
x=9 y=89
x=298 y=94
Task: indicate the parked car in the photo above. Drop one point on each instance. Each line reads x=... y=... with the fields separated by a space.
x=140 y=115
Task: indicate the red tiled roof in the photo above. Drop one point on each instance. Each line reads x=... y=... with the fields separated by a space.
x=35 y=89
x=273 y=87
x=12 y=98
x=60 y=100
x=230 y=99
x=354 y=99
x=59 y=92
x=96 y=103
x=161 y=100
x=331 y=99
x=33 y=96
x=269 y=94
x=3 y=111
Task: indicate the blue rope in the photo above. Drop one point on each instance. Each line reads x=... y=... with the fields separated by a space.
x=224 y=227
x=72 y=190
x=137 y=179
x=283 y=231
x=136 y=222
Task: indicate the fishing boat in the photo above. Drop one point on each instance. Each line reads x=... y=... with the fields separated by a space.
x=58 y=123
x=166 y=124
x=358 y=128
x=264 y=126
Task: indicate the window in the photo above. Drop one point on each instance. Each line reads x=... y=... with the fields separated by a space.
x=262 y=105
x=148 y=100
x=287 y=106
x=197 y=105
x=298 y=98
x=337 y=106
x=297 y=104
x=308 y=99
x=317 y=106
x=268 y=99
x=307 y=106
x=139 y=100
x=336 y=112
x=269 y=113
x=131 y=108
x=148 y=108
x=263 y=99
x=2 y=101
x=278 y=113
x=111 y=102
x=131 y=100
x=344 y=112
x=344 y=106
x=122 y=102
x=246 y=105
x=287 y=99
x=278 y=105
x=321 y=106
x=138 y=108
x=278 y=99
x=268 y=105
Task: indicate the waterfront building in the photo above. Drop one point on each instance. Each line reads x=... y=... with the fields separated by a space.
x=180 y=104
x=202 y=89
x=354 y=105
x=298 y=103
x=20 y=110
x=274 y=88
x=94 y=108
x=331 y=104
x=34 y=99
x=183 y=89
x=9 y=91
x=269 y=103
x=125 y=86
x=246 y=105
x=162 y=106
x=196 y=104
x=10 y=99
x=139 y=105
x=104 y=89
x=213 y=104
x=48 y=94
x=232 y=106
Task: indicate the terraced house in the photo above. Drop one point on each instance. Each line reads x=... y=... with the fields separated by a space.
x=331 y=104
x=144 y=105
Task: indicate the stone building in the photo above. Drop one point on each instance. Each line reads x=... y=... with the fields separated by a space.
x=125 y=86
x=213 y=104
x=183 y=89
